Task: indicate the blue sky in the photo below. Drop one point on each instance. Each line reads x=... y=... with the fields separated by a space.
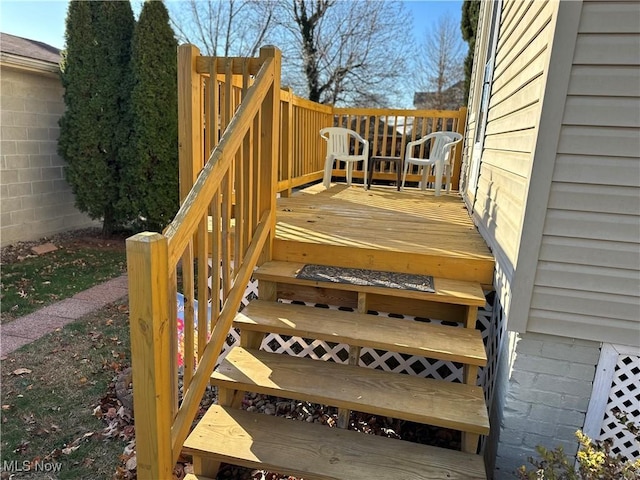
x=44 y=20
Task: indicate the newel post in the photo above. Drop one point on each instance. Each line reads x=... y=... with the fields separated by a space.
x=270 y=140
x=457 y=161
x=190 y=128
x=151 y=353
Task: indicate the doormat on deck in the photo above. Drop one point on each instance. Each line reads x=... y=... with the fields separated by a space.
x=373 y=278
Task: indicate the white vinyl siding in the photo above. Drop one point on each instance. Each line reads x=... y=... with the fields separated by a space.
x=587 y=283
x=514 y=111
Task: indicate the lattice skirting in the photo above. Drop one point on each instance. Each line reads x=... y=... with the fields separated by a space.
x=616 y=386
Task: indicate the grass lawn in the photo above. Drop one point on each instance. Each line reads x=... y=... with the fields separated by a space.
x=30 y=282
x=57 y=399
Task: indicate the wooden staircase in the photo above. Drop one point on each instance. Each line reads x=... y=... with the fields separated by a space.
x=312 y=451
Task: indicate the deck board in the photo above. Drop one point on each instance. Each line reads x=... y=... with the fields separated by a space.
x=411 y=231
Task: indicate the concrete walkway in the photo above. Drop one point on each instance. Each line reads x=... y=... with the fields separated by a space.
x=23 y=330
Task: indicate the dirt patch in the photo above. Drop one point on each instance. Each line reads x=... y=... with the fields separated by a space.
x=87 y=237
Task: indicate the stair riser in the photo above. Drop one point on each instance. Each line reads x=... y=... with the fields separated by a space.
x=376 y=303
x=480 y=271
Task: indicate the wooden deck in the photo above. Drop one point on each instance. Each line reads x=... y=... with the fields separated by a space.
x=411 y=231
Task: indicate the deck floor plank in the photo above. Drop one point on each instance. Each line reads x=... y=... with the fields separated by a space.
x=410 y=231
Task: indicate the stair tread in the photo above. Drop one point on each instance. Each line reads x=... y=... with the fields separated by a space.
x=434 y=402
x=446 y=290
x=454 y=344
x=316 y=451
x=191 y=476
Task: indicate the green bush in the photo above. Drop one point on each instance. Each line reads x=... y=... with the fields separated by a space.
x=150 y=186
x=595 y=460
x=119 y=132
x=96 y=124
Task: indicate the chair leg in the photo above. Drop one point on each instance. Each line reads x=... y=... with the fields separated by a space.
x=328 y=167
x=447 y=170
x=404 y=174
x=438 y=175
x=365 y=168
x=349 y=166
x=425 y=176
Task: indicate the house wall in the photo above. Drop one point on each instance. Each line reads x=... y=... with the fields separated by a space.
x=36 y=199
x=558 y=201
x=546 y=382
x=498 y=202
x=587 y=281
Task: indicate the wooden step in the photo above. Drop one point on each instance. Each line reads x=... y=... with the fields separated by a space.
x=314 y=451
x=433 y=402
x=446 y=291
x=191 y=476
x=356 y=329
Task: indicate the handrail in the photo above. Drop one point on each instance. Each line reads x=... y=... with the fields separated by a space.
x=240 y=168
x=194 y=393
x=210 y=177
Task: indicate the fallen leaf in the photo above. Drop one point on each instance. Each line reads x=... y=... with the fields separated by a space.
x=6 y=407
x=109 y=322
x=70 y=450
x=21 y=371
x=97 y=412
x=83 y=380
x=132 y=463
x=22 y=447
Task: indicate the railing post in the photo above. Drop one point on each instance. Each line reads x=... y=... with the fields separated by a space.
x=151 y=353
x=457 y=161
x=286 y=151
x=270 y=134
x=190 y=128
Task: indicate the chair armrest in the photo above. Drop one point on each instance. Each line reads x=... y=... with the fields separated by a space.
x=449 y=146
x=357 y=136
x=411 y=145
x=365 y=143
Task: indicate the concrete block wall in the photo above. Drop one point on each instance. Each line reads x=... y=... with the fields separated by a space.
x=545 y=383
x=35 y=199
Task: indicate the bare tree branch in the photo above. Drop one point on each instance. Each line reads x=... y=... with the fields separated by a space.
x=223 y=27
x=340 y=52
x=441 y=67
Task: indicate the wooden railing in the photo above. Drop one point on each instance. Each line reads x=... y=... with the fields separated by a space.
x=236 y=189
x=302 y=151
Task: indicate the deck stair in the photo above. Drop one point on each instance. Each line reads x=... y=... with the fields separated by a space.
x=228 y=434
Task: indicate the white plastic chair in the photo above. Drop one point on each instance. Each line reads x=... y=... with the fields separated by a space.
x=439 y=156
x=338 y=148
